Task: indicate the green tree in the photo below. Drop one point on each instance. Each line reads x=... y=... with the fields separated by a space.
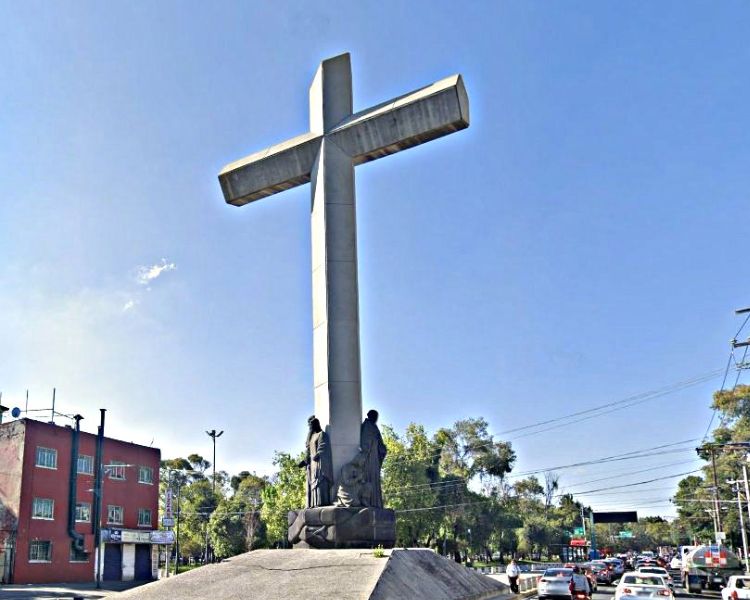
x=236 y=526
x=284 y=492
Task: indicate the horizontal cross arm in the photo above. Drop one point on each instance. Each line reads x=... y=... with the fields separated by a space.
x=269 y=171
x=413 y=119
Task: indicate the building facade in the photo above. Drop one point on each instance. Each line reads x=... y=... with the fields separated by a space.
x=37 y=535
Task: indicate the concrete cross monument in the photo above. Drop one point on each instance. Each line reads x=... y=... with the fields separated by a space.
x=338 y=140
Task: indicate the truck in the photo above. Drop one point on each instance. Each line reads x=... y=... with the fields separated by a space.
x=709 y=568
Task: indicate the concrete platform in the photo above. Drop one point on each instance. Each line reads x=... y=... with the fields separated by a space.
x=341 y=574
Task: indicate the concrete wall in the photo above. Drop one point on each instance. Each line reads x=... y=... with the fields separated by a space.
x=11 y=459
x=128 y=562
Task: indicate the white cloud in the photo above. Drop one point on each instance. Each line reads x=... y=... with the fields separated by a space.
x=145 y=275
x=128 y=305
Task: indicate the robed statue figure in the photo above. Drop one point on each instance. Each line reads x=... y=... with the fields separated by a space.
x=374 y=451
x=319 y=464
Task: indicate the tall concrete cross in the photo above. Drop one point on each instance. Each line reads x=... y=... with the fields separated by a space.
x=337 y=141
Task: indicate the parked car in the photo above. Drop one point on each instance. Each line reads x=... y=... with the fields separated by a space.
x=643 y=585
x=556 y=583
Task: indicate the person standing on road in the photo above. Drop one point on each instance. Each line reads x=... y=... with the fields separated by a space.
x=513 y=572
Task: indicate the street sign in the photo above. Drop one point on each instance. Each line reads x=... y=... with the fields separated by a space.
x=579 y=531
x=167 y=522
x=168 y=504
x=626 y=534
x=616 y=517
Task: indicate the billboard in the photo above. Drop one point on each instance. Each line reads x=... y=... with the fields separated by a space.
x=616 y=517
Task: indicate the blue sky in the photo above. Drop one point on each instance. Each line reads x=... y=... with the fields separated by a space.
x=580 y=243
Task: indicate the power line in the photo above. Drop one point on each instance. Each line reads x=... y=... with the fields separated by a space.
x=615 y=405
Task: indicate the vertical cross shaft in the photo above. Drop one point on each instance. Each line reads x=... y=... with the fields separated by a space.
x=325 y=156
x=336 y=362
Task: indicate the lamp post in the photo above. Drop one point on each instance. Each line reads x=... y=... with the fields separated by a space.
x=213 y=434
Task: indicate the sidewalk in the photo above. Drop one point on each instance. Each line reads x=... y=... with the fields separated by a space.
x=65 y=591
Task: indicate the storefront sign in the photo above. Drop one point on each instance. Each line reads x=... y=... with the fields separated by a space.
x=126 y=536
x=162 y=537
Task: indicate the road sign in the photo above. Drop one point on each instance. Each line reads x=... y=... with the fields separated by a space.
x=167 y=522
x=579 y=531
x=168 y=504
x=626 y=534
x=616 y=517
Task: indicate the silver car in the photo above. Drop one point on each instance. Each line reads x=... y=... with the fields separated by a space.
x=556 y=583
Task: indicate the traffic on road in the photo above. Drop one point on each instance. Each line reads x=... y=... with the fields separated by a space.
x=646 y=575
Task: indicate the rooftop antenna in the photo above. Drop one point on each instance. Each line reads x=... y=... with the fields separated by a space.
x=53 y=405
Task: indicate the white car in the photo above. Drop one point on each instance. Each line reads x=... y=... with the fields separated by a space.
x=675 y=563
x=658 y=571
x=643 y=585
x=556 y=583
x=738 y=588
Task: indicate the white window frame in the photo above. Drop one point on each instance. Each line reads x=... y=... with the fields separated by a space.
x=110 y=511
x=87 y=460
x=141 y=513
x=46 y=452
x=39 y=505
x=83 y=506
x=35 y=544
x=149 y=478
x=116 y=470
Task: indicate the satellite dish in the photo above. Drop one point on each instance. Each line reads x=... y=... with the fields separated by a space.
x=16 y=412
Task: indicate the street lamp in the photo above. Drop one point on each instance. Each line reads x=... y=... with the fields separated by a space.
x=213 y=435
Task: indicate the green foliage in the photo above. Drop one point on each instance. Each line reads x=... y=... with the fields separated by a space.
x=285 y=492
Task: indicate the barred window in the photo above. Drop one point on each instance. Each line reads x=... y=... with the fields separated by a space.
x=116 y=469
x=40 y=551
x=145 y=475
x=43 y=508
x=83 y=512
x=46 y=457
x=115 y=514
x=144 y=517
x=77 y=555
x=85 y=464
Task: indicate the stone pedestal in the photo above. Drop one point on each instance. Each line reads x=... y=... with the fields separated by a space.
x=339 y=527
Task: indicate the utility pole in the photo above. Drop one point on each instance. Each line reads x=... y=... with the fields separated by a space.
x=736 y=487
x=716 y=494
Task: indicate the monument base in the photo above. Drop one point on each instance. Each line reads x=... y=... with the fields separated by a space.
x=416 y=574
x=339 y=527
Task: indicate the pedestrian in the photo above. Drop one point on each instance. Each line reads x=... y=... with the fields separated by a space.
x=512 y=571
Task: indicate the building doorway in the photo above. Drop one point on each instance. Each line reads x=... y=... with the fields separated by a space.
x=112 y=562
x=142 y=562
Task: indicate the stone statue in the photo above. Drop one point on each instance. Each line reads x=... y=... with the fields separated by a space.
x=374 y=451
x=353 y=489
x=319 y=465
x=306 y=462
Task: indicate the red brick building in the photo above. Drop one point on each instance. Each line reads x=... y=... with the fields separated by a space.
x=36 y=545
